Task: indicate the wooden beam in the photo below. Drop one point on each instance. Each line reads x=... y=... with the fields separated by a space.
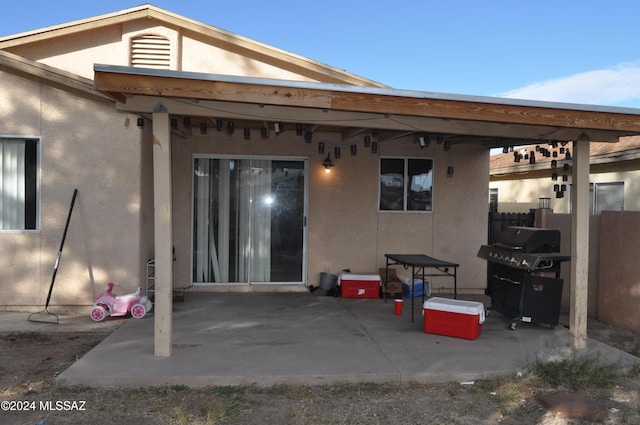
x=484 y=111
x=579 y=246
x=329 y=100
x=211 y=90
x=163 y=233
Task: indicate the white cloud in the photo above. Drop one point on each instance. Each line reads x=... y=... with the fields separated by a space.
x=619 y=85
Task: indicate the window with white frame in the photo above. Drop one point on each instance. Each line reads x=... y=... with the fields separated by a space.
x=406 y=184
x=606 y=196
x=18 y=183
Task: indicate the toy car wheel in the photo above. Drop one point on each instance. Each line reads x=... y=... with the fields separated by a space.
x=138 y=311
x=98 y=313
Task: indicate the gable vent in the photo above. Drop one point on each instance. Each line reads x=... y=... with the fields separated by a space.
x=151 y=51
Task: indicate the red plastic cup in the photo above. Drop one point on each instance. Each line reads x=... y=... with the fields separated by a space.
x=398 y=304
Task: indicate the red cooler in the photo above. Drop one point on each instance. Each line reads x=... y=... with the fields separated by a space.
x=461 y=319
x=359 y=285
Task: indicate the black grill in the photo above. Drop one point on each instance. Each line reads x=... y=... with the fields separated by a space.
x=524 y=274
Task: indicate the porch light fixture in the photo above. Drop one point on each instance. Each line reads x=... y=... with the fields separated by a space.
x=354 y=149
x=219 y=124
x=308 y=136
x=231 y=127
x=450 y=171
x=321 y=147
x=298 y=129
x=174 y=123
x=367 y=141
x=264 y=132
x=374 y=147
x=337 y=151
x=278 y=128
x=203 y=128
x=327 y=164
x=247 y=133
x=140 y=122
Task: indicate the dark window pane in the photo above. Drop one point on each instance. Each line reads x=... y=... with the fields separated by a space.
x=392 y=184
x=420 y=187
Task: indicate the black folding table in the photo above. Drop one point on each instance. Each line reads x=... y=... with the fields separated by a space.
x=421 y=262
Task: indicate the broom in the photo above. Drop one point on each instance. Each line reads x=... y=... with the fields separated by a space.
x=44 y=316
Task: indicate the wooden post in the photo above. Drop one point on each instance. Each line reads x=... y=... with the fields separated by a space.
x=163 y=232
x=579 y=244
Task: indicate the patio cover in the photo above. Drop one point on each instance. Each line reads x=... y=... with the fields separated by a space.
x=493 y=122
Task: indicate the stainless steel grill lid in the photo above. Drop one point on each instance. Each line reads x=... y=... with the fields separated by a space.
x=529 y=239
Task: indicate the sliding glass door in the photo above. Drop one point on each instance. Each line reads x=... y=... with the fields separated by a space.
x=249 y=220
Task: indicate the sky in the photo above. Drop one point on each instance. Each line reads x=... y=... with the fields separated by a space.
x=575 y=51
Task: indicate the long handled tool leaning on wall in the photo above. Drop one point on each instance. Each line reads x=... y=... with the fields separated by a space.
x=45 y=316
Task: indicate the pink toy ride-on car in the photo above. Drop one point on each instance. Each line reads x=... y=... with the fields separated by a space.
x=108 y=304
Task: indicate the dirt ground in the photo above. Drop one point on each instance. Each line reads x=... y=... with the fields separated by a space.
x=29 y=363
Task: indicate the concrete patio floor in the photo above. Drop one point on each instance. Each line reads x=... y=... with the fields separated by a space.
x=265 y=338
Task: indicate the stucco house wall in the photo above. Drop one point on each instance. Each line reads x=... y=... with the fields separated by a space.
x=84 y=144
x=523 y=194
x=613 y=288
x=619 y=293
x=87 y=144
x=190 y=51
x=520 y=185
x=345 y=228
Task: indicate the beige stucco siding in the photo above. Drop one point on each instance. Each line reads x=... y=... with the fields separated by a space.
x=345 y=228
x=77 y=53
x=111 y=45
x=198 y=56
x=84 y=144
x=522 y=195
